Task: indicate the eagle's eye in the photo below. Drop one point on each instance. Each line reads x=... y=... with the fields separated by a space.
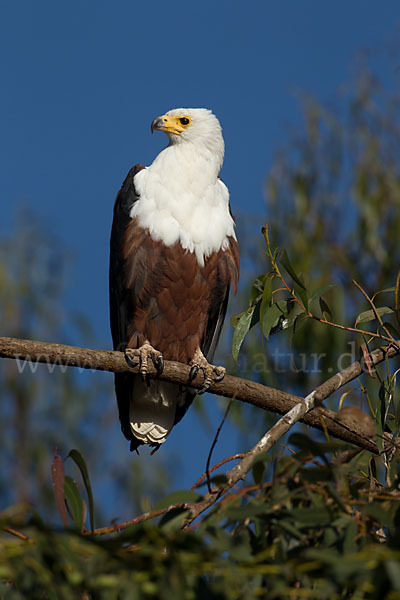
x=184 y=121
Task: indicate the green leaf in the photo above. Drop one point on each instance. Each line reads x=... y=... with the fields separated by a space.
x=302 y=294
x=257 y=288
x=219 y=480
x=324 y=306
x=80 y=461
x=178 y=497
x=369 y=315
x=300 y=321
x=287 y=526
x=321 y=291
x=248 y=511
x=284 y=259
x=377 y=512
x=349 y=543
x=235 y=319
x=304 y=442
x=74 y=502
x=173 y=519
x=311 y=517
x=294 y=310
x=258 y=470
x=336 y=497
x=392 y=568
x=266 y=298
x=393 y=330
x=241 y=330
x=271 y=318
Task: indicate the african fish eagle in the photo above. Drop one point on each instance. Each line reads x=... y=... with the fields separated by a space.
x=173 y=258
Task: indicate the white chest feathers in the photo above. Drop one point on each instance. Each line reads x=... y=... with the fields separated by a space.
x=186 y=205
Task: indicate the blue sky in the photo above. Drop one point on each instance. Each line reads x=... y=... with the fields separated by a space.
x=82 y=81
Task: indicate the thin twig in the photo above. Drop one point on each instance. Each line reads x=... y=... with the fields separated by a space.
x=215 y=441
x=325 y=321
x=377 y=316
x=18 y=534
x=215 y=467
x=144 y=517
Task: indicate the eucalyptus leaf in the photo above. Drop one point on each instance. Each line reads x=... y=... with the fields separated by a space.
x=80 y=461
x=321 y=291
x=271 y=318
x=369 y=315
x=178 y=497
x=324 y=306
x=266 y=298
x=241 y=330
x=284 y=259
x=74 y=502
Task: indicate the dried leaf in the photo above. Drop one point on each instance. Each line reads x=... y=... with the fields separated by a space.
x=58 y=476
x=367 y=361
x=397 y=298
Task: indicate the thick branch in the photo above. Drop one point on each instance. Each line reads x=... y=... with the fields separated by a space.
x=267 y=398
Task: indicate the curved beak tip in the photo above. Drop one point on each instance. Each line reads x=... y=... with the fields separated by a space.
x=156 y=124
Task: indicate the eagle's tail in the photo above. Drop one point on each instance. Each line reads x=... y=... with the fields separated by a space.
x=152 y=410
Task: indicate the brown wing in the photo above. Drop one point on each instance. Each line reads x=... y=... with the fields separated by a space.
x=224 y=273
x=119 y=297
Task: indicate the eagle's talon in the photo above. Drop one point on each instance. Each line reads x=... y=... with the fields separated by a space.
x=160 y=365
x=140 y=356
x=193 y=372
x=221 y=375
x=211 y=373
x=131 y=358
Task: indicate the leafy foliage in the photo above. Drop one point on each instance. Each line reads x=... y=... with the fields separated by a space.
x=313 y=526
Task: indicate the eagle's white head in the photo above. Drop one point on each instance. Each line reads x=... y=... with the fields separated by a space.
x=198 y=127
x=181 y=198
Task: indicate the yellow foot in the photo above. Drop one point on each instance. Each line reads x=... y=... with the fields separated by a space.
x=140 y=356
x=210 y=372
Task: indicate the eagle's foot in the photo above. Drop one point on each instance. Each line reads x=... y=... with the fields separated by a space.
x=211 y=373
x=140 y=356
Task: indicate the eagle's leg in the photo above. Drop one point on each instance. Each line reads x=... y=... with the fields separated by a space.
x=140 y=356
x=210 y=372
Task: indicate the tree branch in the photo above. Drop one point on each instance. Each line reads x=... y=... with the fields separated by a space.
x=263 y=445
x=295 y=414
x=267 y=398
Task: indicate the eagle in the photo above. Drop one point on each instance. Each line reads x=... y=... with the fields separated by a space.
x=173 y=259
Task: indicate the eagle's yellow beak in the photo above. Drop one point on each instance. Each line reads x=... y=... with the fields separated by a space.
x=168 y=124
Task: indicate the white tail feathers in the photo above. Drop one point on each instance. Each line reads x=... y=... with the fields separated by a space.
x=152 y=410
